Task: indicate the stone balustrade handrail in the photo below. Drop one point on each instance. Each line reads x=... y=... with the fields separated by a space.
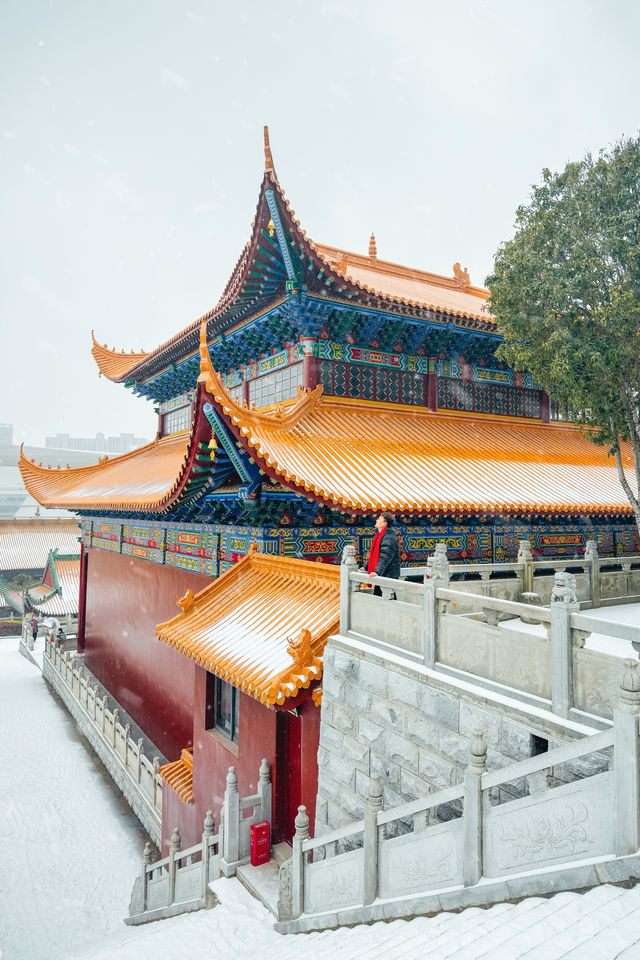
x=406 y=810
x=340 y=833
x=136 y=774
x=490 y=837
x=553 y=758
x=622 y=631
x=539 y=614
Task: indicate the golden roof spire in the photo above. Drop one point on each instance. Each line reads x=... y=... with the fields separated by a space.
x=268 y=159
x=373 y=250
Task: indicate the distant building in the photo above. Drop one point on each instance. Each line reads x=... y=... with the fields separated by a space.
x=121 y=444
x=6 y=433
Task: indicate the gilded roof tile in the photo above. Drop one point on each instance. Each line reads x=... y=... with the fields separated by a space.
x=262 y=625
x=395 y=282
x=142 y=479
x=114 y=364
x=366 y=457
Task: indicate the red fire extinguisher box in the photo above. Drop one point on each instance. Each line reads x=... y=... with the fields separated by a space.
x=260 y=843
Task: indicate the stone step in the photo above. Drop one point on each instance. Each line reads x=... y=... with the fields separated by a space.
x=547 y=918
x=263 y=882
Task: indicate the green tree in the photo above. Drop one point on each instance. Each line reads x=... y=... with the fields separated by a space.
x=565 y=292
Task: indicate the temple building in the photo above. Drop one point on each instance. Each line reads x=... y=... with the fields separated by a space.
x=324 y=387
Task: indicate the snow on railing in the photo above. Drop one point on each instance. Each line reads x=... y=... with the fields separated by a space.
x=457 y=836
x=135 y=773
x=445 y=624
x=178 y=883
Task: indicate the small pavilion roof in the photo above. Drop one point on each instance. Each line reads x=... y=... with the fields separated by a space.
x=367 y=457
x=62 y=596
x=262 y=625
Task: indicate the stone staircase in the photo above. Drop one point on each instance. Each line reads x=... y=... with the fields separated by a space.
x=601 y=924
x=263 y=882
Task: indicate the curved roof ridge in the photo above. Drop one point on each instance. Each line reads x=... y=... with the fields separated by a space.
x=115 y=364
x=281 y=416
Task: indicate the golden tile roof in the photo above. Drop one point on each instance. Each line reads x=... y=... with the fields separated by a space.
x=453 y=295
x=179 y=776
x=262 y=625
x=114 y=364
x=142 y=479
x=366 y=457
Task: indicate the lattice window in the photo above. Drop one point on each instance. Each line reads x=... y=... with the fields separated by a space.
x=176 y=420
x=276 y=386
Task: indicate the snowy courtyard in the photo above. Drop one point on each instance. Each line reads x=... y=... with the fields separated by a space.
x=73 y=850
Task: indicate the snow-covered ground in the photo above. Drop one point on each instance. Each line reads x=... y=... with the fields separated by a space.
x=71 y=850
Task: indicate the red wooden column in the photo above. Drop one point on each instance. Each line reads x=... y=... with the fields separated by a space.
x=310 y=365
x=544 y=406
x=432 y=385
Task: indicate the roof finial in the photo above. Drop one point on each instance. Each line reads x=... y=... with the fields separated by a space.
x=373 y=250
x=461 y=276
x=268 y=159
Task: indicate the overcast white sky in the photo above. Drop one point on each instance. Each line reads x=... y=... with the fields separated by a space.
x=131 y=155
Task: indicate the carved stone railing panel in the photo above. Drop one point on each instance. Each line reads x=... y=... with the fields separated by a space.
x=412 y=863
x=573 y=821
x=335 y=883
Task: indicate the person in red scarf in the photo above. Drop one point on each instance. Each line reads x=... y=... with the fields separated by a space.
x=384 y=554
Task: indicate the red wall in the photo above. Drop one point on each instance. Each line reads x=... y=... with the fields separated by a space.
x=126 y=598
x=212 y=757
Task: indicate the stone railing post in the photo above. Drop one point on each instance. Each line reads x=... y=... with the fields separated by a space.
x=139 y=745
x=438 y=565
x=591 y=554
x=525 y=557
x=154 y=787
x=472 y=870
x=437 y=576
x=174 y=849
x=231 y=819
x=372 y=806
x=207 y=833
x=116 y=718
x=147 y=858
x=563 y=604
x=626 y=764
x=430 y=623
x=301 y=834
x=347 y=567
x=264 y=789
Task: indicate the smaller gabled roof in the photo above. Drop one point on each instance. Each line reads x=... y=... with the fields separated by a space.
x=178 y=776
x=262 y=625
x=62 y=597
